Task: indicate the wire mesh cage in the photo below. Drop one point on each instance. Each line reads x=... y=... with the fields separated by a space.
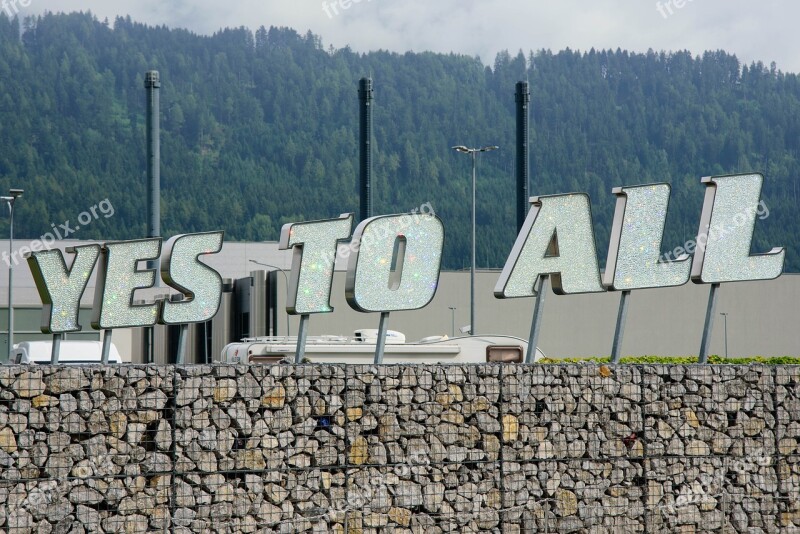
x=330 y=448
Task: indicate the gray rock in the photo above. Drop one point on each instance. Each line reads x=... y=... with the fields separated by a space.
x=153 y=400
x=487 y=423
x=408 y=494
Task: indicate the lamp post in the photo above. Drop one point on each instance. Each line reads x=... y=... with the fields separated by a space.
x=287 y=286
x=452 y=321
x=473 y=152
x=725 y=320
x=13 y=194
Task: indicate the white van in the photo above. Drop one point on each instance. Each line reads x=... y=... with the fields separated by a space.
x=71 y=353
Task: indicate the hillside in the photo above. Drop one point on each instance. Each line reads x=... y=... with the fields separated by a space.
x=259 y=129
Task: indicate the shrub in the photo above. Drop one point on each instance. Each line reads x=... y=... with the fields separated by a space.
x=679 y=360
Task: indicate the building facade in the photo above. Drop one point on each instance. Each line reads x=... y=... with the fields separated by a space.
x=760 y=317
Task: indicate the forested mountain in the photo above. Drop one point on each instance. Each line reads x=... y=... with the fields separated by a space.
x=259 y=129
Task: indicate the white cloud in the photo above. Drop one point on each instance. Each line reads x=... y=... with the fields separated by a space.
x=753 y=30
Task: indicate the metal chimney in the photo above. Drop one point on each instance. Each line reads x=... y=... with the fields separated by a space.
x=152 y=85
x=365 y=97
x=523 y=98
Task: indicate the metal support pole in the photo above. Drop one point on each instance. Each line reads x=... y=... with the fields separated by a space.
x=522 y=98
x=152 y=84
x=473 y=152
x=106 y=345
x=536 y=322
x=302 y=331
x=709 y=324
x=365 y=97
x=11 y=280
x=56 y=348
x=472 y=329
x=149 y=334
x=182 y=338
x=206 y=360
x=622 y=316
x=380 y=343
x=725 y=319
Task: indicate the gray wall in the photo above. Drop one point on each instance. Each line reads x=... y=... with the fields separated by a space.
x=365 y=449
x=667 y=322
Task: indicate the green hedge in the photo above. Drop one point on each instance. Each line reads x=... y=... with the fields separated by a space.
x=680 y=360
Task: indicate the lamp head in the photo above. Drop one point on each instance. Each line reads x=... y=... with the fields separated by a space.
x=15 y=192
x=462 y=149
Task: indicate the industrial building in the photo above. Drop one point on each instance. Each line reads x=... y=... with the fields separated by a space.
x=760 y=317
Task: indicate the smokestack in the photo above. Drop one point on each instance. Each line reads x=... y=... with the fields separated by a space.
x=523 y=98
x=365 y=96
x=152 y=85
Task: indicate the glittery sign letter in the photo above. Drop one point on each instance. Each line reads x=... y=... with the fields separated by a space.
x=396 y=265
x=117 y=278
x=726 y=233
x=313 y=260
x=201 y=285
x=61 y=288
x=557 y=239
x=635 y=245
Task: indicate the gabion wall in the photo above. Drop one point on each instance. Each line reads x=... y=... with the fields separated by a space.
x=422 y=449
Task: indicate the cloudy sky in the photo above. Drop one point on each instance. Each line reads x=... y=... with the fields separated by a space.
x=764 y=30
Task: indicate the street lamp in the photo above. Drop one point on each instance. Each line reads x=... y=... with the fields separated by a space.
x=725 y=319
x=13 y=194
x=473 y=152
x=452 y=321
x=287 y=286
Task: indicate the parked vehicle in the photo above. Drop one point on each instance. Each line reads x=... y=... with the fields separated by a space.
x=71 y=353
x=360 y=349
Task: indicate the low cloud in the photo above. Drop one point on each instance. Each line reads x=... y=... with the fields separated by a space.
x=486 y=27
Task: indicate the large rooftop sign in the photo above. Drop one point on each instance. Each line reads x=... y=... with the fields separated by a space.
x=557 y=241
x=395 y=260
